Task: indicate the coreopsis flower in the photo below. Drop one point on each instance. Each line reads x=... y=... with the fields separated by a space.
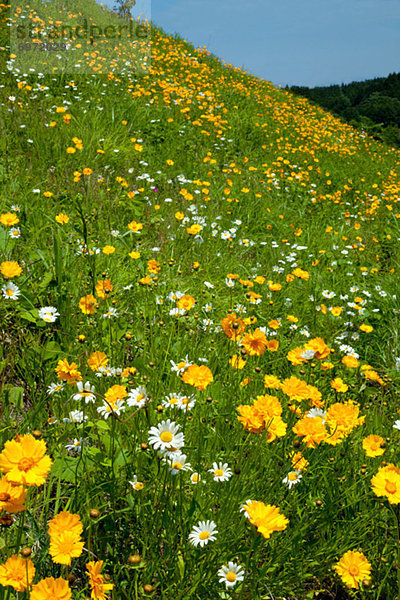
x=250 y=418
x=194 y=229
x=186 y=302
x=237 y=362
x=203 y=533
x=317 y=344
x=108 y=250
x=295 y=388
x=221 y=471
x=9 y=219
x=62 y=218
x=272 y=382
x=233 y=326
x=68 y=372
x=267 y=518
x=104 y=287
x=64 y=546
x=115 y=393
x=372 y=445
x=10 y=269
x=353 y=568
x=48 y=314
x=312 y=430
x=339 y=385
x=17 y=572
x=24 y=461
x=299 y=463
x=166 y=436
x=343 y=417
x=254 y=343
x=135 y=227
x=12 y=497
x=97 y=360
x=65 y=521
x=231 y=574
x=387 y=483
x=88 y=304
x=51 y=589
x=366 y=328
x=98 y=587
x=198 y=376
x=295 y=356
x=350 y=361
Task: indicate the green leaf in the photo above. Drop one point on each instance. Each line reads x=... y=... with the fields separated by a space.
x=67 y=469
x=51 y=350
x=14 y=396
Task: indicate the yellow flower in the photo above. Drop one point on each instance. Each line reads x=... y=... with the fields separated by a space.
x=254 y=343
x=372 y=445
x=199 y=377
x=115 y=393
x=87 y=304
x=17 y=572
x=387 y=483
x=237 y=362
x=134 y=254
x=272 y=382
x=96 y=360
x=169 y=162
x=99 y=588
x=10 y=269
x=9 y=219
x=312 y=430
x=186 y=302
x=65 y=521
x=51 y=589
x=339 y=385
x=353 y=568
x=64 y=546
x=194 y=229
x=71 y=150
x=336 y=311
x=350 y=361
x=266 y=517
x=179 y=215
x=61 y=218
x=104 y=287
x=68 y=372
x=135 y=227
x=12 y=497
x=233 y=326
x=24 y=461
x=108 y=249
x=366 y=328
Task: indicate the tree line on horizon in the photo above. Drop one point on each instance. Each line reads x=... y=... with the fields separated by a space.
x=372 y=105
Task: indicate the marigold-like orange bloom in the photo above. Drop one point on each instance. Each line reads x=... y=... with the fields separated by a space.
x=68 y=372
x=353 y=568
x=135 y=227
x=350 y=361
x=301 y=274
x=65 y=521
x=87 y=304
x=8 y=219
x=254 y=342
x=199 y=377
x=186 y=302
x=96 y=360
x=51 y=589
x=343 y=417
x=312 y=430
x=268 y=406
x=276 y=427
x=294 y=356
x=17 y=572
x=115 y=393
x=24 y=461
x=266 y=517
x=12 y=497
x=194 y=229
x=99 y=588
x=233 y=326
x=250 y=418
x=272 y=345
x=272 y=382
x=62 y=218
x=339 y=385
x=10 y=269
x=295 y=388
x=153 y=266
x=317 y=344
x=299 y=463
x=64 y=546
x=104 y=287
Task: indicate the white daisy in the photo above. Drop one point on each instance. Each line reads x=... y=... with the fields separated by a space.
x=137 y=397
x=75 y=416
x=48 y=314
x=177 y=462
x=195 y=478
x=166 y=436
x=316 y=412
x=10 y=291
x=112 y=312
x=292 y=478
x=117 y=408
x=307 y=354
x=137 y=485
x=231 y=574
x=14 y=232
x=172 y=400
x=397 y=424
x=186 y=402
x=55 y=388
x=74 y=446
x=203 y=533
x=221 y=471
x=180 y=366
x=85 y=391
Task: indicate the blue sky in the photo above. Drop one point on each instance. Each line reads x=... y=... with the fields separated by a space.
x=293 y=42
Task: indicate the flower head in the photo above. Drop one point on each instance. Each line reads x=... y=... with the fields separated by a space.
x=17 y=572
x=199 y=377
x=353 y=567
x=51 y=589
x=203 y=533
x=166 y=436
x=231 y=574
x=24 y=461
x=99 y=588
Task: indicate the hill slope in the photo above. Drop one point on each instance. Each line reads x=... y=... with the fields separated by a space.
x=196 y=214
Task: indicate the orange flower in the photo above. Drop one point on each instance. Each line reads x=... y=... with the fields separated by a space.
x=339 y=385
x=250 y=418
x=99 y=588
x=10 y=269
x=51 y=589
x=68 y=372
x=24 y=461
x=233 y=326
x=17 y=572
x=186 y=302
x=254 y=343
x=64 y=546
x=12 y=497
x=62 y=218
x=104 y=287
x=312 y=430
x=272 y=345
x=135 y=227
x=317 y=344
x=9 y=219
x=295 y=388
x=199 y=377
x=372 y=445
x=87 y=304
x=115 y=393
x=97 y=359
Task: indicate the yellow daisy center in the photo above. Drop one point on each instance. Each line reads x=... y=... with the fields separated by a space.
x=177 y=465
x=185 y=400
x=195 y=478
x=204 y=535
x=173 y=400
x=218 y=473
x=9 y=292
x=140 y=397
x=231 y=576
x=292 y=476
x=139 y=485
x=166 y=436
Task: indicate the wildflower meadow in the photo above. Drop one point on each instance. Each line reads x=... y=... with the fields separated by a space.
x=199 y=316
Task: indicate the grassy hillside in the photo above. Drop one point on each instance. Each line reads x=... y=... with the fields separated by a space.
x=192 y=244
